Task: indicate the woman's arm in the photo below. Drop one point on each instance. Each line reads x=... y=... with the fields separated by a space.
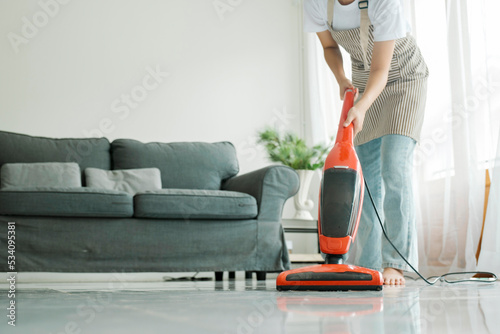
x=333 y=58
x=379 y=71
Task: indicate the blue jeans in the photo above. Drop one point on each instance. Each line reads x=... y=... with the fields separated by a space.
x=387 y=165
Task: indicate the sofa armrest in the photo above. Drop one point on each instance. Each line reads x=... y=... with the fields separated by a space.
x=271 y=186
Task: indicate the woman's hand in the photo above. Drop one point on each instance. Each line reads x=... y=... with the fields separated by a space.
x=379 y=70
x=345 y=84
x=356 y=116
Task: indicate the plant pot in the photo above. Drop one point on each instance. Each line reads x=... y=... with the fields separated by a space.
x=303 y=205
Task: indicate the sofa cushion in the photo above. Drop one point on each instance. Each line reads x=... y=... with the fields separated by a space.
x=192 y=165
x=130 y=181
x=86 y=152
x=65 y=202
x=194 y=204
x=41 y=174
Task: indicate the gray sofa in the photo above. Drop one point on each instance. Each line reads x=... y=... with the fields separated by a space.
x=205 y=217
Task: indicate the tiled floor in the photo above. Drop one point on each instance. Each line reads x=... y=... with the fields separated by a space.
x=245 y=306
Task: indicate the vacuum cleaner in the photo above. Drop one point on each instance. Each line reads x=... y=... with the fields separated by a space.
x=340 y=204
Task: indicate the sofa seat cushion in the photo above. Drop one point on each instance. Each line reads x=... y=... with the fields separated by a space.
x=194 y=204
x=65 y=202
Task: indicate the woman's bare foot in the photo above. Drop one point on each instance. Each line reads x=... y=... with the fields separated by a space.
x=393 y=276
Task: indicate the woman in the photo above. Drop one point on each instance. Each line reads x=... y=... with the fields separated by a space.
x=391 y=75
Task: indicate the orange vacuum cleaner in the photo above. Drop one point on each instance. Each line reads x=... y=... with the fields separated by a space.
x=340 y=204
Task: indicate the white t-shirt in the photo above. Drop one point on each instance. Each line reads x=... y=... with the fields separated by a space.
x=386 y=16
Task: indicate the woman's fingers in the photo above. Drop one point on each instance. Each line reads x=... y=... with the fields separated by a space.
x=356 y=118
x=350 y=117
x=344 y=85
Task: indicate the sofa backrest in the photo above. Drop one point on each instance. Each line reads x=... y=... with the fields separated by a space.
x=183 y=165
x=86 y=152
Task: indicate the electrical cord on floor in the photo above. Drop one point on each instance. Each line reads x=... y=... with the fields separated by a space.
x=186 y=278
x=441 y=278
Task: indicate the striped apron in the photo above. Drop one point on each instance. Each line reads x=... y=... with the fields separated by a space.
x=399 y=109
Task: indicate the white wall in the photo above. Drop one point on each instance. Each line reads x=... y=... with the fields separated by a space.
x=230 y=72
x=233 y=66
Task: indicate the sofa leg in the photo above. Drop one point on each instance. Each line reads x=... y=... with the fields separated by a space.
x=261 y=275
x=248 y=275
x=219 y=276
x=232 y=275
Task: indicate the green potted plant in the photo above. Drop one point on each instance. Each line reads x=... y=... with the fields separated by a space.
x=292 y=151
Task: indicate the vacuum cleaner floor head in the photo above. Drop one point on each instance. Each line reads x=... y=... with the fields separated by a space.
x=330 y=277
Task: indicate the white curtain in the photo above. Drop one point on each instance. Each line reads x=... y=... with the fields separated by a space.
x=322 y=93
x=487 y=61
x=460 y=134
x=489 y=258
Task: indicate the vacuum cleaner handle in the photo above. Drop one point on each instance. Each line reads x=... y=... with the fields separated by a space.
x=346 y=134
x=341 y=190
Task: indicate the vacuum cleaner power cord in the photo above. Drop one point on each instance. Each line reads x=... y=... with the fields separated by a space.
x=442 y=278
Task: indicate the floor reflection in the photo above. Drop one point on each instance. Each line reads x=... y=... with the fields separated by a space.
x=331 y=307
x=350 y=312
